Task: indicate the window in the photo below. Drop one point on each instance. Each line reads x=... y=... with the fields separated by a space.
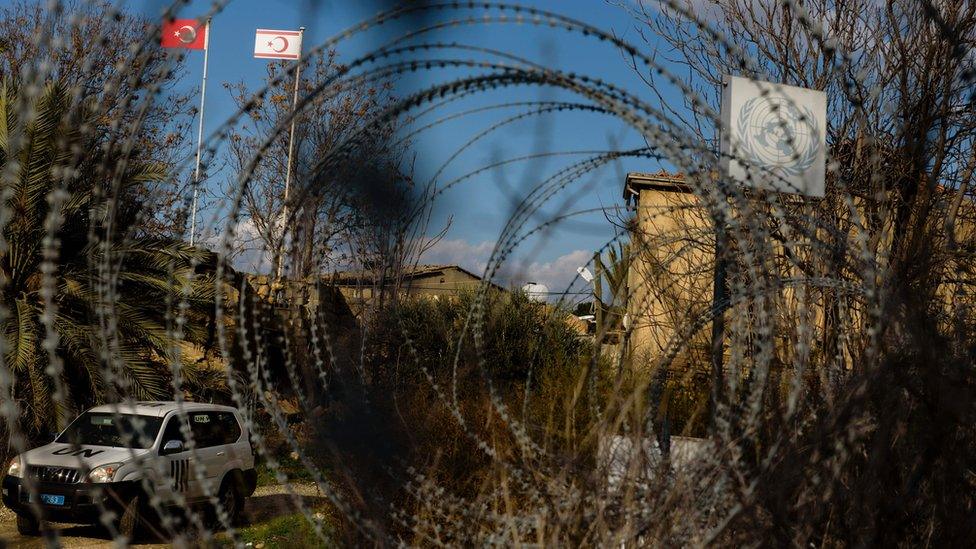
x=173 y=431
x=206 y=433
x=228 y=427
x=121 y=431
x=214 y=428
x=208 y=429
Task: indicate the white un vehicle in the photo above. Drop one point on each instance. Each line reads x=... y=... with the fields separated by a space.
x=114 y=457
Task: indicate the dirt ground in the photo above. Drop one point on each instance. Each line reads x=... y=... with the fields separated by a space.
x=267 y=503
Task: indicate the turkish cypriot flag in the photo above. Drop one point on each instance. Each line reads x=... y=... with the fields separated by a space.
x=774 y=136
x=277 y=44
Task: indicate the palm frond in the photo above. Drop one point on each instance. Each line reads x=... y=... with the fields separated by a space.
x=22 y=337
x=5 y=120
x=146 y=275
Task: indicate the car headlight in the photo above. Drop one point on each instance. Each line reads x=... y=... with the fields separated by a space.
x=15 y=469
x=104 y=473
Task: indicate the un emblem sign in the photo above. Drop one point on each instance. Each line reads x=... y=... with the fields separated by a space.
x=773 y=136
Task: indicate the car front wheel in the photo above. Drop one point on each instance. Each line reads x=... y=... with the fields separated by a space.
x=131 y=519
x=28 y=525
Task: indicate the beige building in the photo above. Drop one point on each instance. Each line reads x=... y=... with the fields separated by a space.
x=434 y=281
x=810 y=317
x=669 y=284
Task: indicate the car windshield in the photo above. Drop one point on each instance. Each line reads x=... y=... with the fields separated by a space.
x=118 y=430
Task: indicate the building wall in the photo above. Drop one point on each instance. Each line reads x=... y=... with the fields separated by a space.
x=449 y=282
x=670 y=279
x=671 y=286
x=437 y=283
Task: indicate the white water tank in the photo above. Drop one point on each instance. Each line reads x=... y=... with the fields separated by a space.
x=536 y=292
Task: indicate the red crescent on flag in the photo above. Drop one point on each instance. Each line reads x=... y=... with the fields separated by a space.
x=284 y=42
x=187 y=34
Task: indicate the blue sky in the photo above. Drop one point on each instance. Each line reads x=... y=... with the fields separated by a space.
x=479 y=207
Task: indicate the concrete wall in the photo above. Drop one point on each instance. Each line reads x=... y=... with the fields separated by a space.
x=446 y=282
x=670 y=279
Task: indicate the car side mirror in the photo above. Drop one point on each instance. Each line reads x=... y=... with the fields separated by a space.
x=171 y=447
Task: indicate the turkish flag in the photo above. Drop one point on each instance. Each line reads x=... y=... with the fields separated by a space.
x=184 y=33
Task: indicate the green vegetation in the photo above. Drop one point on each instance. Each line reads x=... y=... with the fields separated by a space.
x=524 y=338
x=532 y=359
x=285 y=532
x=290 y=467
x=111 y=296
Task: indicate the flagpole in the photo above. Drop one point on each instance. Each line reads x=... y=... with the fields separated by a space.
x=291 y=146
x=203 y=99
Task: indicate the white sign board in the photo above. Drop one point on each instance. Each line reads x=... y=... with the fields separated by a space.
x=774 y=136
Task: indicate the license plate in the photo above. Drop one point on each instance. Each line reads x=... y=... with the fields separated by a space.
x=52 y=499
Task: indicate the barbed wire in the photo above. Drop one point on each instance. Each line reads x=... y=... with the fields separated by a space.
x=793 y=264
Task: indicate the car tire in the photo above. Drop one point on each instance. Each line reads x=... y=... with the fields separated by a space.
x=130 y=523
x=28 y=525
x=231 y=501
